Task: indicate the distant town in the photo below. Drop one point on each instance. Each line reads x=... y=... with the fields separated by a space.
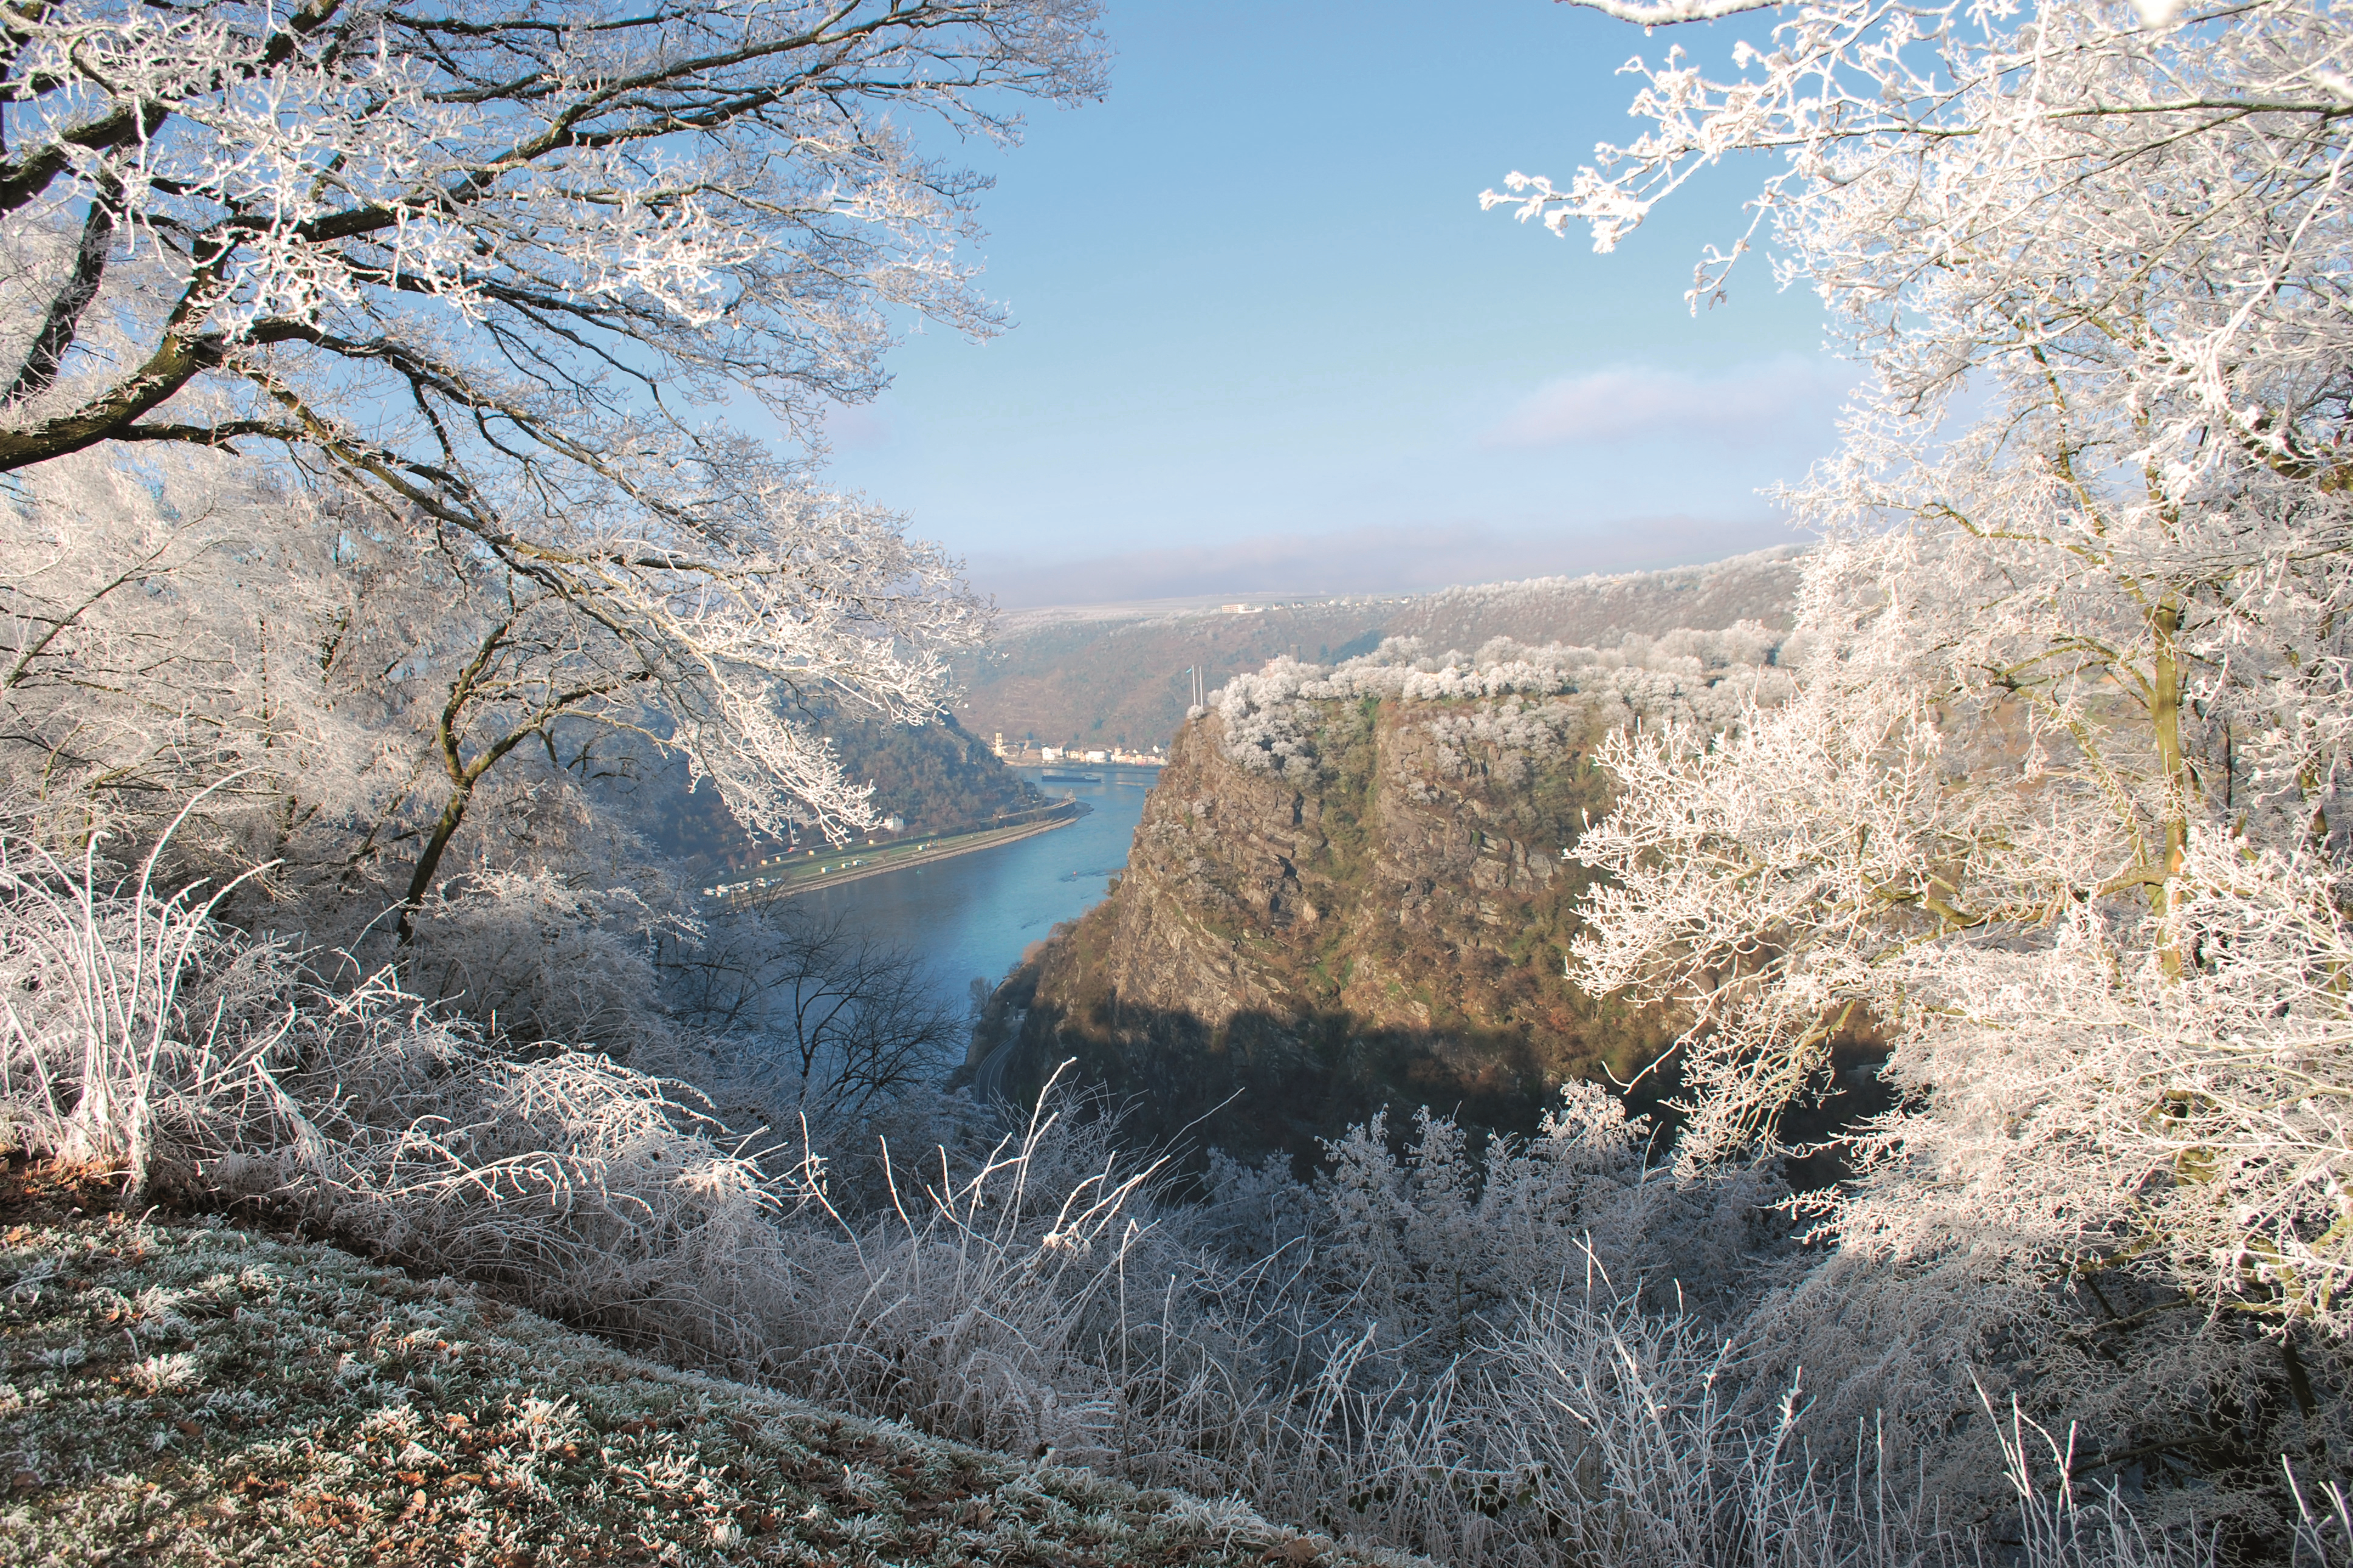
x=1024 y=754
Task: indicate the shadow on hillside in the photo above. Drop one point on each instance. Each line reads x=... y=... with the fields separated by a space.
x=1260 y=1085
x=1263 y=1084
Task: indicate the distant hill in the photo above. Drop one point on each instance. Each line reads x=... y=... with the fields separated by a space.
x=937 y=776
x=1118 y=677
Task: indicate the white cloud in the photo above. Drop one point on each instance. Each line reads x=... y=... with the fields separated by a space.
x=1775 y=400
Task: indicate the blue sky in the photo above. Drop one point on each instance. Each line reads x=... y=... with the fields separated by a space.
x=1266 y=340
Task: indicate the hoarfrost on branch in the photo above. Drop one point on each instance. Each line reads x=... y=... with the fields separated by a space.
x=2057 y=805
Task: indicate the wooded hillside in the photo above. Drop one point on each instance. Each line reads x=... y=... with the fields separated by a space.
x=1092 y=680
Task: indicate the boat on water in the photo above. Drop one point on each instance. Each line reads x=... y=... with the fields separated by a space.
x=1069 y=778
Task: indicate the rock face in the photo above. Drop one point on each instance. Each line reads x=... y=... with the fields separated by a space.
x=1388 y=929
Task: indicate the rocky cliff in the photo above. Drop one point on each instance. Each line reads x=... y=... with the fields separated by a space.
x=1348 y=890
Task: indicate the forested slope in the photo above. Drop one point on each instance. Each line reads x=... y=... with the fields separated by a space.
x=935 y=777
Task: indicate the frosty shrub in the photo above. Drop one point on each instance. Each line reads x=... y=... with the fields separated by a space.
x=1439 y=1249
x=1270 y=718
x=1540 y=1354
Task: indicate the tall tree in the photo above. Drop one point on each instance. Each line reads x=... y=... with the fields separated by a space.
x=491 y=268
x=2058 y=803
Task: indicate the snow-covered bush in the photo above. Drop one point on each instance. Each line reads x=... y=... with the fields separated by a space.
x=1270 y=718
x=1441 y=1245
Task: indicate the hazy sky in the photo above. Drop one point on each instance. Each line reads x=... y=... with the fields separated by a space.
x=1265 y=339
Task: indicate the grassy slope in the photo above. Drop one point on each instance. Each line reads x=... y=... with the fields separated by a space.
x=191 y=1394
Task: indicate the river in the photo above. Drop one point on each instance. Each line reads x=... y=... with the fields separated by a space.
x=974 y=914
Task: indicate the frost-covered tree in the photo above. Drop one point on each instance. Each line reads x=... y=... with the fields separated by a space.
x=837 y=1023
x=486 y=272
x=2056 y=803
x=2055 y=810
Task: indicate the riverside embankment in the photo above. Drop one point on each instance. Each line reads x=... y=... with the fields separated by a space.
x=832 y=869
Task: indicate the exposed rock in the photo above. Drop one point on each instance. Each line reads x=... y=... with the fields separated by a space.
x=1391 y=928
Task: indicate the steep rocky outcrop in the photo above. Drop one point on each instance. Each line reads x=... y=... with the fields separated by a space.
x=1245 y=894
x=1382 y=919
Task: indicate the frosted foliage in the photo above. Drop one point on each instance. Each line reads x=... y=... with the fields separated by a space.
x=2055 y=810
x=140 y=607
x=2056 y=804
x=1439 y=1249
x=1270 y=718
x=2106 y=954
x=542 y=957
x=973 y=1293
x=1535 y=1356
x=699 y=196
x=343 y=698
x=464 y=289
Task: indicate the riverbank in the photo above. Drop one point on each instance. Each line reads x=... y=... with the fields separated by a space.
x=833 y=870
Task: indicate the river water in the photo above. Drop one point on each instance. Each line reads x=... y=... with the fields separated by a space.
x=974 y=914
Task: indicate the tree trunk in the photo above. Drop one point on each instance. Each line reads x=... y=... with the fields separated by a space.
x=429 y=859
